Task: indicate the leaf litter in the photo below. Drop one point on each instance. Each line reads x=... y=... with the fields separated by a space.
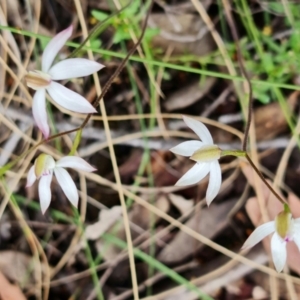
x=185 y=93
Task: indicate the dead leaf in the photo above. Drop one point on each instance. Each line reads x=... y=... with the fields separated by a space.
x=129 y=168
x=208 y=222
x=19 y=267
x=181 y=203
x=107 y=218
x=140 y=219
x=9 y=291
x=162 y=203
x=185 y=33
x=189 y=94
x=273 y=207
x=270 y=120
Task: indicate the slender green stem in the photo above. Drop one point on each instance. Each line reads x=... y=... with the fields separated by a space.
x=94 y=274
x=159 y=63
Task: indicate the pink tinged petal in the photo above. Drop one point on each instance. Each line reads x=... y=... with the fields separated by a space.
x=278 y=249
x=67 y=184
x=259 y=234
x=75 y=162
x=54 y=46
x=31 y=178
x=39 y=112
x=187 y=148
x=194 y=175
x=200 y=129
x=74 y=67
x=215 y=181
x=45 y=191
x=69 y=99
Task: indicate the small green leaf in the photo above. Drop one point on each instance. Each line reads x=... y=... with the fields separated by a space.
x=132 y=8
x=96 y=43
x=151 y=33
x=99 y=15
x=120 y=35
x=261 y=94
x=276 y=7
x=267 y=59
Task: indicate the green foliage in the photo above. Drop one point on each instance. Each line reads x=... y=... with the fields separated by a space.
x=128 y=18
x=276 y=60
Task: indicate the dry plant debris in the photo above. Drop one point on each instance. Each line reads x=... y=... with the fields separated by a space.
x=131 y=232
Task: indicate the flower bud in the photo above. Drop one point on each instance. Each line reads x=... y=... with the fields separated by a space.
x=43 y=165
x=207 y=154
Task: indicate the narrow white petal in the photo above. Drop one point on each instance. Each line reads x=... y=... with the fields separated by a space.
x=187 y=148
x=31 y=178
x=296 y=232
x=295 y=226
x=194 y=175
x=45 y=191
x=74 y=67
x=54 y=46
x=40 y=113
x=74 y=162
x=215 y=181
x=278 y=249
x=67 y=184
x=69 y=99
x=200 y=129
x=297 y=239
x=259 y=233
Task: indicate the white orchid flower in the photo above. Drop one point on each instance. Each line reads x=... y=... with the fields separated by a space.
x=285 y=228
x=43 y=81
x=206 y=154
x=43 y=169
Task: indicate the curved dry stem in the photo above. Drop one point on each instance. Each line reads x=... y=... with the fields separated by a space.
x=244 y=72
x=280 y=199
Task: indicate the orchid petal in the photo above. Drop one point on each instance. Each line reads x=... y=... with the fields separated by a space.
x=67 y=184
x=31 y=178
x=54 y=46
x=74 y=67
x=45 y=191
x=74 y=162
x=200 y=129
x=278 y=249
x=194 y=175
x=69 y=99
x=39 y=112
x=259 y=233
x=215 y=181
x=297 y=240
x=296 y=231
x=187 y=148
